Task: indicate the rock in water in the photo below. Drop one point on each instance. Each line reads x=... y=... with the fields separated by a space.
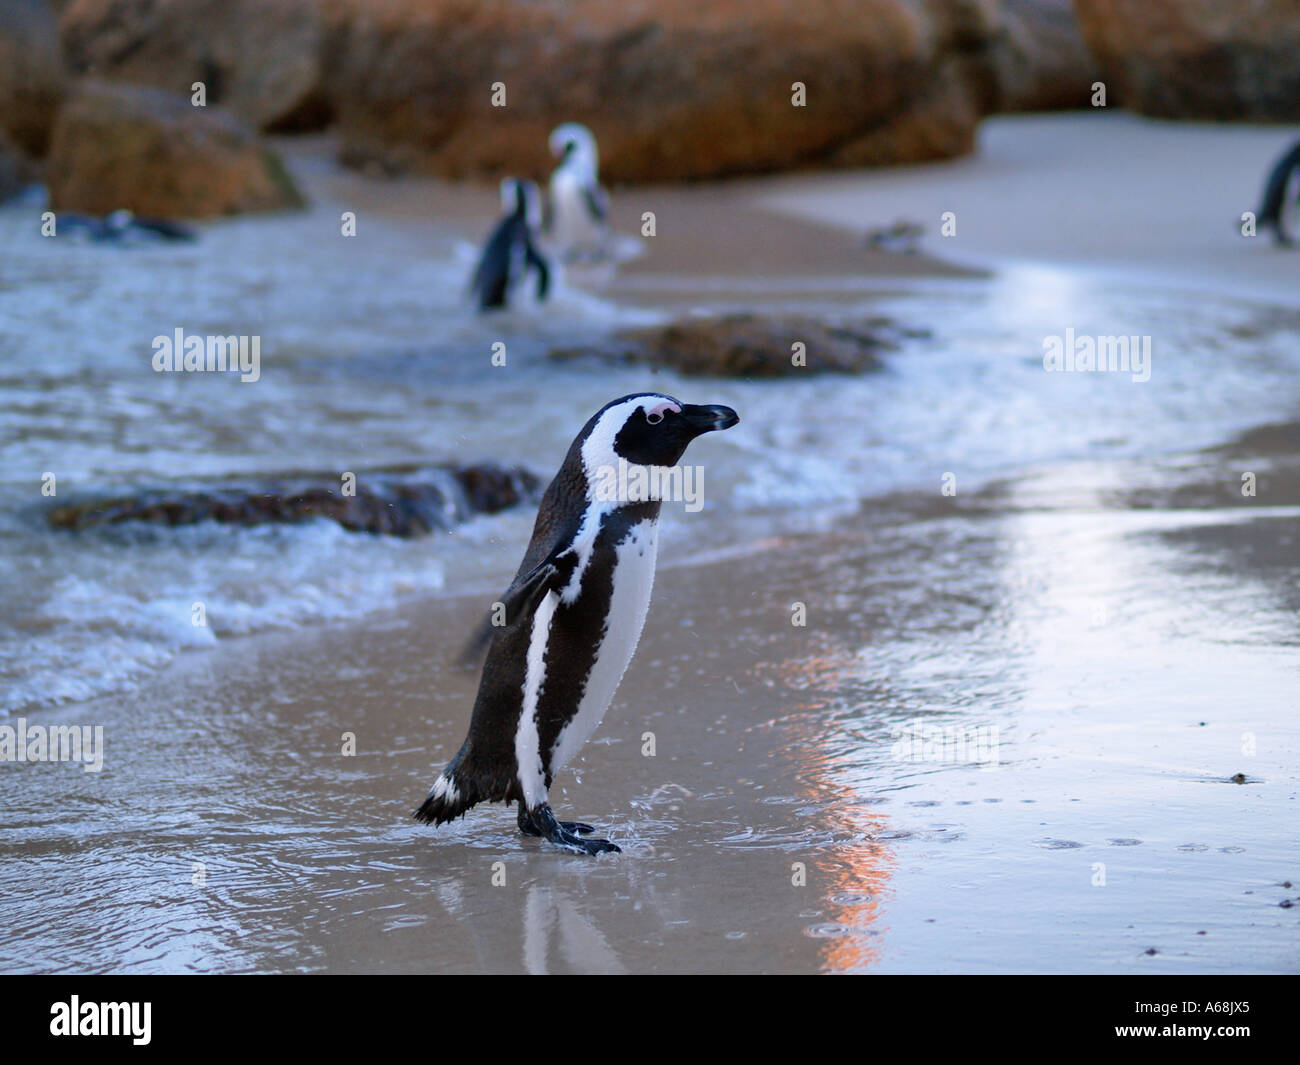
x=750 y=345
x=151 y=152
x=391 y=504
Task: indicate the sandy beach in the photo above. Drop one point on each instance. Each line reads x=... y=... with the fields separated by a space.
x=1098 y=602
x=1090 y=191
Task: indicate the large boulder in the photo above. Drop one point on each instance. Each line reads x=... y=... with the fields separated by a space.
x=31 y=73
x=1044 y=63
x=679 y=89
x=673 y=90
x=260 y=59
x=1207 y=59
x=153 y=153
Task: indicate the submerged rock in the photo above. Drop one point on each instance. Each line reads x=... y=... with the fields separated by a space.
x=392 y=504
x=751 y=345
x=152 y=152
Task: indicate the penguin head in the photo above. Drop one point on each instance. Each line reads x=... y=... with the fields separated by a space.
x=647 y=429
x=573 y=144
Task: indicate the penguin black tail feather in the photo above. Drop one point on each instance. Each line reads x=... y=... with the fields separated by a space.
x=447 y=801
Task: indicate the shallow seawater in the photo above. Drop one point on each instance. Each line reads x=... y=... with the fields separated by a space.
x=1103 y=655
x=370 y=359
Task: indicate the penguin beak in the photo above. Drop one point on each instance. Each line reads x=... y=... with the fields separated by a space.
x=708 y=419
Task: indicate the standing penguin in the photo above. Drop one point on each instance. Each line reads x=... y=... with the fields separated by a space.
x=511 y=250
x=578 y=205
x=1282 y=198
x=572 y=618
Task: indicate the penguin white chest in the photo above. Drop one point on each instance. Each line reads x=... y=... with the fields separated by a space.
x=633 y=581
x=572 y=223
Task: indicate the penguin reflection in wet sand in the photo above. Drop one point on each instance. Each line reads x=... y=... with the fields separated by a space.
x=511 y=250
x=572 y=618
x=1281 y=208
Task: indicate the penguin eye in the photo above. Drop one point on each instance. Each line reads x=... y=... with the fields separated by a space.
x=655 y=417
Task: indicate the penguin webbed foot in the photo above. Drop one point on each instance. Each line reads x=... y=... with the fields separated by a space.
x=527 y=827
x=541 y=821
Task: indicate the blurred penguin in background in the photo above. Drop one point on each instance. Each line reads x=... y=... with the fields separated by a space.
x=1281 y=207
x=511 y=251
x=578 y=205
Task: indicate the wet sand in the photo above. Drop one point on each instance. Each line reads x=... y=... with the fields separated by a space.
x=1129 y=629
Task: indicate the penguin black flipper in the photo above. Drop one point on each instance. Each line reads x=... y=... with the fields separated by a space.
x=520 y=600
x=597 y=202
x=537 y=261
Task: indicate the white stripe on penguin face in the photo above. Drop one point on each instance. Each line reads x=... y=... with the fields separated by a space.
x=598 y=449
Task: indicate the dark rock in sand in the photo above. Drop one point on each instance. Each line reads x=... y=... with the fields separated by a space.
x=152 y=152
x=750 y=345
x=392 y=504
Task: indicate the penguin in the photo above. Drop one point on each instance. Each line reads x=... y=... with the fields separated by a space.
x=511 y=250
x=1282 y=198
x=578 y=205
x=572 y=618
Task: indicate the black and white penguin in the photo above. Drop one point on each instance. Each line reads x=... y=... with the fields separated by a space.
x=578 y=205
x=511 y=250
x=573 y=616
x=1281 y=208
